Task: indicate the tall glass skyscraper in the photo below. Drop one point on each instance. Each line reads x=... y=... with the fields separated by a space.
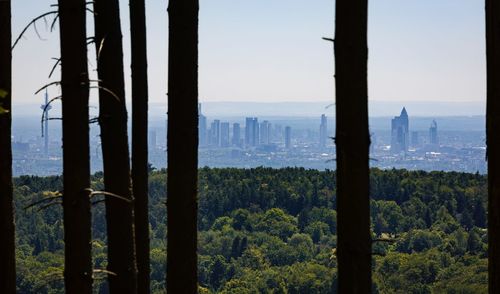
x=400 y=133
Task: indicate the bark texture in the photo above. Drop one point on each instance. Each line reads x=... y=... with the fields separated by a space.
x=140 y=141
x=114 y=141
x=353 y=141
x=182 y=179
x=7 y=237
x=76 y=153
x=493 y=140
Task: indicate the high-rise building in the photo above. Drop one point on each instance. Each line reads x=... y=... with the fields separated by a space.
x=224 y=134
x=202 y=127
x=414 y=139
x=251 y=131
x=236 y=134
x=265 y=132
x=400 y=136
x=433 y=134
x=373 y=142
x=323 y=131
x=278 y=132
x=215 y=133
x=288 y=137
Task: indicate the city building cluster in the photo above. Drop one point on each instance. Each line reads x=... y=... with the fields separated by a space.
x=253 y=134
x=400 y=142
x=400 y=135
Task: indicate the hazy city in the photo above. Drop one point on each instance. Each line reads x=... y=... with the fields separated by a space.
x=441 y=143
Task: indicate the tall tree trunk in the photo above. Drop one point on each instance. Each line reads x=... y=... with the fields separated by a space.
x=7 y=244
x=140 y=141
x=493 y=140
x=352 y=140
x=76 y=153
x=182 y=148
x=113 y=122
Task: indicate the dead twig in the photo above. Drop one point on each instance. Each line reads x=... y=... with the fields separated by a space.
x=32 y=22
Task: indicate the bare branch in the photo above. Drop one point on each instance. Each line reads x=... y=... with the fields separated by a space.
x=49 y=205
x=30 y=24
x=100 y=48
x=53 y=25
x=51 y=198
x=93 y=193
x=58 y=60
x=47 y=85
x=104 y=271
x=106 y=90
x=97 y=202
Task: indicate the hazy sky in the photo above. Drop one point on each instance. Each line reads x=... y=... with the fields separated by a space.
x=271 y=50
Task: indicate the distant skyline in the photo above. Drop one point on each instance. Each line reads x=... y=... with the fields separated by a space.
x=263 y=51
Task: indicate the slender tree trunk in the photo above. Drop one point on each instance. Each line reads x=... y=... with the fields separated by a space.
x=113 y=122
x=352 y=141
x=182 y=179
x=7 y=237
x=76 y=153
x=140 y=141
x=493 y=140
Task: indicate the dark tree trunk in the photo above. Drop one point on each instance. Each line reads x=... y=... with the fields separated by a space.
x=76 y=153
x=182 y=148
x=140 y=141
x=7 y=244
x=493 y=140
x=113 y=122
x=352 y=140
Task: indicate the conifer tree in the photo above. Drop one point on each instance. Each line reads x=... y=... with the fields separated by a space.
x=76 y=153
x=182 y=204
x=493 y=140
x=7 y=234
x=352 y=140
x=140 y=140
x=115 y=151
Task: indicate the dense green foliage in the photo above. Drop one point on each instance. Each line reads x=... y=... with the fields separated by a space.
x=273 y=231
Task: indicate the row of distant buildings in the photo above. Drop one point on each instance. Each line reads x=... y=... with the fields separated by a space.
x=400 y=134
x=252 y=134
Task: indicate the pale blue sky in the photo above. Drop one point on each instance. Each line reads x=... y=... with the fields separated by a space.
x=271 y=50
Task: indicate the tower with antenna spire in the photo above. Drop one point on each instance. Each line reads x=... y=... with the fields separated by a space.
x=45 y=126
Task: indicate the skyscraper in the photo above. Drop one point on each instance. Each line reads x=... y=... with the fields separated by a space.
x=265 y=132
x=400 y=135
x=251 y=131
x=433 y=134
x=224 y=134
x=202 y=127
x=236 y=134
x=288 y=137
x=323 y=130
x=215 y=133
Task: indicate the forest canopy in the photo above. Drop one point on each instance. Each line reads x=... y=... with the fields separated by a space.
x=275 y=230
